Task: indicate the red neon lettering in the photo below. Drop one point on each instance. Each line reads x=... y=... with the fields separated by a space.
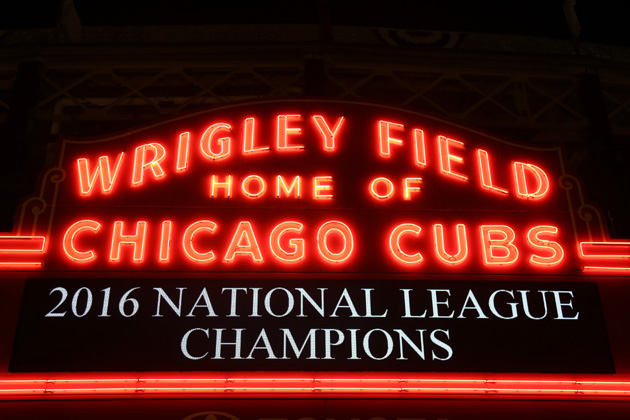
x=557 y=253
x=248 y=138
x=394 y=243
x=440 y=249
x=295 y=188
x=326 y=132
x=244 y=243
x=245 y=186
x=322 y=241
x=444 y=145
x=165 y=241
x=497 y=245
x=322 y=184
x=385 y=138
x=225 y=185
x=374 y=187
x=296 y=245
x=70 y=236
x=224 y=142
x=136 y=240
x=409 y=188
x=419 y=149
x=284 y=131
x=189 y=236
x=182 y=152
x=87 y=182
x=486 y=176
x=522 y=187
x=140 y=163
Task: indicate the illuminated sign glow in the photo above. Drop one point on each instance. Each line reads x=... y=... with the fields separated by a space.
x=310 y=236
x=212 y=190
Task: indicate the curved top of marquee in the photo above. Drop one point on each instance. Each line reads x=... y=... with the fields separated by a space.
x=313 y=185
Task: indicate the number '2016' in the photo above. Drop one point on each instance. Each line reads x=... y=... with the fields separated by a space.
x=82 y=303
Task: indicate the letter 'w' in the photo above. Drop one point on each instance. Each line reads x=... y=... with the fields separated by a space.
x=107 y=175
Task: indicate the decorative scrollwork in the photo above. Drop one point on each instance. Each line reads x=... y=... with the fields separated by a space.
x=36 y=209
x=57 y=175
x=568 y=182
x=587 y=212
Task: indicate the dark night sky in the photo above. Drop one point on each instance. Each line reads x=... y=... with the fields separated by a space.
x=601 y=21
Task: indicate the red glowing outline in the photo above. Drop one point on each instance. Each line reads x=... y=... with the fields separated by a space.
x=326 y=132
x=140 y=164
x=620 y=256
x=419 y=149
x=22 y=240
x=486 y=176
x=322 y=236
x=225 y=185
x=521 y=181
x=536 y=242
x=107 y=179
x=440 y=251
x=394 y=243
x=68 y=241
x=284 y=131
x=248 y=180
x=384 y=137
x=165 y=241
x=408 y=189
x=606 y=268
x=297 y=244
x=606 y=244
x=224 y=142
x=17 y=264
x=375 y=194
x=183 y=146
x=187 y=241
x=248 y=138
x=26 y=240
x=281 y=185
x=488 y=245
x=444 y=145
x=246 y=233
x=168 y=385
x=137 y=240
x=317 y=187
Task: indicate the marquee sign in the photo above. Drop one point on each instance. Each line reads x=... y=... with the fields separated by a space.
x=310 y=235
x=310 y=187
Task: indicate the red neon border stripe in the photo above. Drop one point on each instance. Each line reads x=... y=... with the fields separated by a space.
x=618 y=252
x=14 y=247
x=165 y=385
